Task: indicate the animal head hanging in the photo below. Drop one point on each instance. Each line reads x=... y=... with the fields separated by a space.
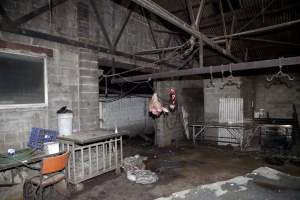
x=172 y=100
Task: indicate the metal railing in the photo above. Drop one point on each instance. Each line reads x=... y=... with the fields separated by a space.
x=92 y=160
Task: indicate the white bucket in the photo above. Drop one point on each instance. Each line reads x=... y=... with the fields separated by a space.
x=65 y=123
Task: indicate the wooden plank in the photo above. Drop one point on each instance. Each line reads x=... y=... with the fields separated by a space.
x=23 y=47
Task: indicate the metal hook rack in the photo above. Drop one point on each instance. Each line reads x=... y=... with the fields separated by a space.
x=230 y=80
x=211 y=81
x=280 y=75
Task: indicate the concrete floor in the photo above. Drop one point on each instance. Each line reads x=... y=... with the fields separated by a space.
x=191 y=166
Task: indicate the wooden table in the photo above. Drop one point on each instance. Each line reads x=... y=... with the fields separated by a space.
x=92 y=153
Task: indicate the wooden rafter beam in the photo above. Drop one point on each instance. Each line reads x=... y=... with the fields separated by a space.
x=290 y=61
x=23 y=47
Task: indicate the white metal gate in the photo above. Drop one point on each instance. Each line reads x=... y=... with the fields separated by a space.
x=230 y=111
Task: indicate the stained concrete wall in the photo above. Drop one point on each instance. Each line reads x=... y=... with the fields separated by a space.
x=72 y=72
x=129 y=113
x=169 y=128
x=277 y=100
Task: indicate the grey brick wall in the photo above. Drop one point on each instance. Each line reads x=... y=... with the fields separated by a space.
x=278 y=99
x=169 y=128
x=72 y=72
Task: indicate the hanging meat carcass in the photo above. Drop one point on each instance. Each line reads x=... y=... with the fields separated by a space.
x=172 y=101
x=155 y=107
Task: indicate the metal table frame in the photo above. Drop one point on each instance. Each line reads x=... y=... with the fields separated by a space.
x=17 y=165
x=232 y=129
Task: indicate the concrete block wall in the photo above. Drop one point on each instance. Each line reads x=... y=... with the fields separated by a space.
x=89 y=90
x=72 y=72
x=278 y=99
x=63 y=78
x=169 y=128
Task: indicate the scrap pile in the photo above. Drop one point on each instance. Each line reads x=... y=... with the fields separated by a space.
x=136 y=172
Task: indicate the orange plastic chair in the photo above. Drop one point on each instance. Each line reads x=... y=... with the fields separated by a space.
x=51 y=172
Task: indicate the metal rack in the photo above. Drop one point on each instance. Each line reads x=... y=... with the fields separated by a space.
x=90 y=159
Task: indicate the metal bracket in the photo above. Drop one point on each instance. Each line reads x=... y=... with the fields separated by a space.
x=230 y=80
x=280 y=77
x=211 y=81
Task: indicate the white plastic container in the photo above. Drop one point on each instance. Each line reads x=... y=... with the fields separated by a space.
x=51 y=147
x=65 y=123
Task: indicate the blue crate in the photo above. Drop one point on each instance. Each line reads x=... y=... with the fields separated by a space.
x=39 y=136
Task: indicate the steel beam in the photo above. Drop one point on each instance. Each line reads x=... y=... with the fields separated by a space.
x=74 y=43
x=256 y=16
x=5 y=16
x=158 y=10
x=190 y=10
x=273 y=42
x=100 y=23
x=106 y=62
x=199 y=14
x=157 y=51
x=122 y=29
x=150 y=28
x=201 y=52
x=216 y=21
x=36 y=13
x=259 y=30
x=290 y=61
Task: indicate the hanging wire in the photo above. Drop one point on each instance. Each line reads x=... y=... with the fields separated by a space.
x=172 y=55
x=121 y=96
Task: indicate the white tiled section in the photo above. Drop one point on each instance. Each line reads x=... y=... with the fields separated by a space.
x=230 y=111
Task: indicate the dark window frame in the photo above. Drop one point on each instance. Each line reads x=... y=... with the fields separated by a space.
x=45 y=80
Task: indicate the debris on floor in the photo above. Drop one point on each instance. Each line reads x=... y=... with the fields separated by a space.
x=142 y=176
x=275 y=179
x=245 y=187
x=135 y=170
